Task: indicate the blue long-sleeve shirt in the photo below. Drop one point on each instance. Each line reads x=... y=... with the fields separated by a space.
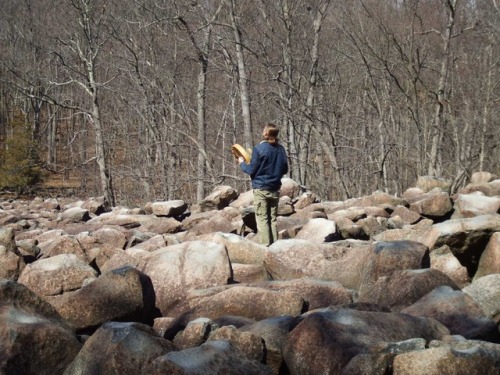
x=268 y=165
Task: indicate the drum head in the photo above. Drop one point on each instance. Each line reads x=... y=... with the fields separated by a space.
x=238 y=151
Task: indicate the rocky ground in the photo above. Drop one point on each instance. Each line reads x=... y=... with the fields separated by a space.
x=371 y=285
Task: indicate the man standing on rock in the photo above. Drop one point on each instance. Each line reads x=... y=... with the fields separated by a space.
x=267 y=167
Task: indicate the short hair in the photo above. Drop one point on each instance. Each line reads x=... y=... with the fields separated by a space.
x=271 y=132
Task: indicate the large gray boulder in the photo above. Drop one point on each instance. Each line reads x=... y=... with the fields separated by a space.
x=119 y=348
x=213 y=357
x=326 y=340
x=34 y=339
x=457 y=311
x=386 y=257
x=248 y=343
x=402 y=288
x=274 y=332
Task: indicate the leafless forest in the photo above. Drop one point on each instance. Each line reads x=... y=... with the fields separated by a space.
x=140 y=100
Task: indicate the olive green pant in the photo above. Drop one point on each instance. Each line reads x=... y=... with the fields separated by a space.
x=266 y=210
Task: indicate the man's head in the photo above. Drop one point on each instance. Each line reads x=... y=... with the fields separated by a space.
x=270 y=133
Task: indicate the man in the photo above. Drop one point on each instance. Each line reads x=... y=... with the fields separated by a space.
x=267 y=167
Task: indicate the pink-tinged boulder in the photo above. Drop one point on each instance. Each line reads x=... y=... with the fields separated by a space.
x=371 y=226
x=244 y=200
x=353 y=214
x=417 y=232
x=249 y=273
x=124 y=220
x=470 y=348
x=75 y=214
x=457 y=311
x=434 y=204
x=482 y=177
x=62 y=245
x=119 y=348
x=466 y=238
x=165 y=327
x=369 y=363
x=289 y=226
x=428 y=183
x=197 y=218
x=248 y=343
x=486 y=292
x=326 y=340
x=56 y=275
x=131 y=257
x=51 y=204
x=8 y=241
x=96 y=205
x=209 y=222
x=384 y=258
x=11 y=265
x=402 y=288
x=285 y=206
x=194 y=334
x=491 y=189
x=47 y=235
x=221 y=197
x=213 y=357
x=171 y=208
x=304 y=200
x=489 y=263
x=239 y=249
x=441 y=361
x=274 y=331
x=476 y=204
x=443 y=260
x=33 y=337
x=407 y=216
x=150 y=244
x=176 y=269
x=341 y=261
x=350 y=230
x=290 y=188
x=247 y=301
x=315 y=293
x=318 y=231
x=116 y=236
x=159 y=225
x=123 y=294
x=11 y=260
x=28 y=248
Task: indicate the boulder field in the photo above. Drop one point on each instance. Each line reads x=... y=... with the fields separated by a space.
x=376 y=284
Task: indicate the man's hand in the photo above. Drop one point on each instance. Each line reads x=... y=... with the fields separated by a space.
x=240 y=160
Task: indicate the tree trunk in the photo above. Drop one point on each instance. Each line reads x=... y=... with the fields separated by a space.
x=242 y=79
x=437 y=129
